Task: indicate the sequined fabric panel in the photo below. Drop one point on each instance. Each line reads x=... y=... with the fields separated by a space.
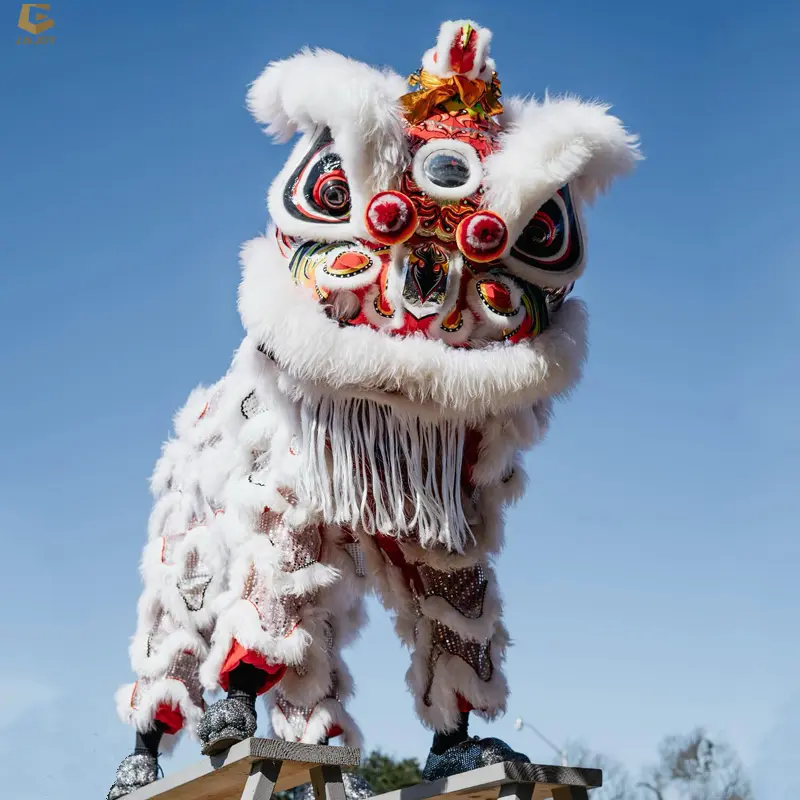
x=279 y=614
x=194 y=582
x=250 y=406
x=258 y=473
x=288 y=495
x=299 y=547
x=446 y=640
x=157 y=633
x=463 y=589
x=476 y=654
x=357 y=555
x=270 y=524
x=183 y=667
x=298 y=716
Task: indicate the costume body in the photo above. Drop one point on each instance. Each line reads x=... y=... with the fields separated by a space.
x=407 y=329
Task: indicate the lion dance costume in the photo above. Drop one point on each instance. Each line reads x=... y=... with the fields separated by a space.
x=408 y=327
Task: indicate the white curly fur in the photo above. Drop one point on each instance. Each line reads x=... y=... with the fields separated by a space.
x=359 y=104
x=356 y=360
x=222 y=468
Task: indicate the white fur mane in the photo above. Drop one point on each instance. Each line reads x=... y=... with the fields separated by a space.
x=409 y=372
x=360 y=105
x=544 y=146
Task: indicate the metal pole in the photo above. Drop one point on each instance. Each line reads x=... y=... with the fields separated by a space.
x=519 y=724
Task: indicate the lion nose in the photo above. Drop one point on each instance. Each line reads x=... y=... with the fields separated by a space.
x=391 y=218
x=482 y=237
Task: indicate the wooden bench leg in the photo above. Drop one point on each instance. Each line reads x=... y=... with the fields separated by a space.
x=327 y=782
x=262 y=780
x=516 y=791
x=570 y=793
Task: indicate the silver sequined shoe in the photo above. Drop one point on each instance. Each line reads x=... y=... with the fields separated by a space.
x=226 y=723
x=137 y=770
x=471 y=754
x=355 y=788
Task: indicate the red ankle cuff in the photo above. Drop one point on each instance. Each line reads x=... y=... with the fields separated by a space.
x=170 y=717
x=241 y=655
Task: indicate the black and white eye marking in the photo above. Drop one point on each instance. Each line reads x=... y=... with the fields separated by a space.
x=317 y=190
x=552 y=240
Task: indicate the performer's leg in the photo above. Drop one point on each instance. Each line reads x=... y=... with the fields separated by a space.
x=147 y=742
x=443 y=741
x=448 y=612
x=309 y=703
x=293 y=593
x=183 y=568
x=183 y=573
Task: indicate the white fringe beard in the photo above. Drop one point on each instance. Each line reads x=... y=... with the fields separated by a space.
x=364 y=464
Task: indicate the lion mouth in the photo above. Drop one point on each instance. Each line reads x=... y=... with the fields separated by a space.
x=458 y=373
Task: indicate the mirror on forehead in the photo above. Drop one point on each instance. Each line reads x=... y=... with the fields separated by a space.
x=446 y=168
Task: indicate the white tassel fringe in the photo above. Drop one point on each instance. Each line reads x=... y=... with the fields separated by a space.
x=363 y=464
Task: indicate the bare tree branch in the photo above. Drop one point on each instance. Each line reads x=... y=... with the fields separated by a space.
x=654 y=789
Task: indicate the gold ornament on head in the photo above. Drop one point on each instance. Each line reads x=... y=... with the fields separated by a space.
x=457 y=93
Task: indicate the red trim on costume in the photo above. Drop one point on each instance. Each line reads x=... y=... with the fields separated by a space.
x=334 y=731
x=170 y=717
x=241 y=655
x=390 y=546
x=472 y=448
x=464 y=706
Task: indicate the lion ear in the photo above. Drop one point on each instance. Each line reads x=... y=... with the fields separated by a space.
x=358 y=105
x=546 y=146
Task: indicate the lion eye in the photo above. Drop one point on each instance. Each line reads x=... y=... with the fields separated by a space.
x=552 y=240
x=332 y=193
x=317 y=190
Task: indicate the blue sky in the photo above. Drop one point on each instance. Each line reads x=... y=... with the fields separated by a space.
x=650 y=573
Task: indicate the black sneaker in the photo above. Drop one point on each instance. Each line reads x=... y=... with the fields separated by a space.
x=226 y=723
x=136 y=771
x=355 y=788
x=465 y=756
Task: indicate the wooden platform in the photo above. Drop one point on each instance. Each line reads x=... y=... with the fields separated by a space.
x=227 y=776
x=507 y=781
x=254 y=769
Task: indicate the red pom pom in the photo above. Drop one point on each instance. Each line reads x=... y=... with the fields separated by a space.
x=391 y=218
x=482 y=236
